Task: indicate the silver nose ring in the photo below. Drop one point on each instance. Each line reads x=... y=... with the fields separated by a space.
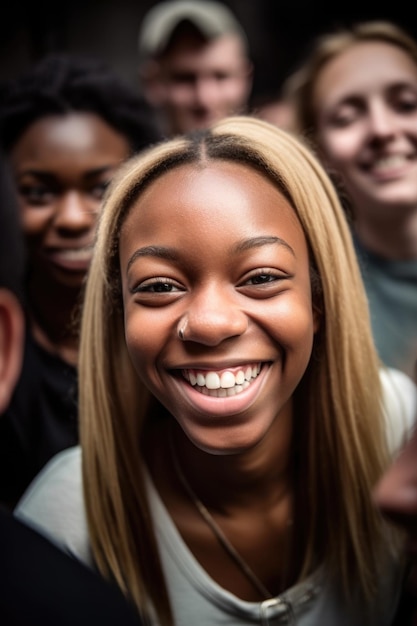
x=181 y=331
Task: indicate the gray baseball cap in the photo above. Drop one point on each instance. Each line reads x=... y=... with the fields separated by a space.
x=212 y=19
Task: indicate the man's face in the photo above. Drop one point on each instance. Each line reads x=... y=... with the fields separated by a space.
x=200 y=82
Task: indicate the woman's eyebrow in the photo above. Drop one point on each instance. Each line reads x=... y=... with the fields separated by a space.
x=256 y=242
x=162 y=252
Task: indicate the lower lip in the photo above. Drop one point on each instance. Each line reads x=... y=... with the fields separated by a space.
x=223 y=407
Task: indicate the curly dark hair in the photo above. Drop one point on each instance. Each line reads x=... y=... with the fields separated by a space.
x=62 y=83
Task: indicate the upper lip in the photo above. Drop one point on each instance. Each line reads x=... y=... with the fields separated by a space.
x=219 y=365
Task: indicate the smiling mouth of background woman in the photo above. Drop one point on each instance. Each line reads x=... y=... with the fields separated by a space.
x=223 y=384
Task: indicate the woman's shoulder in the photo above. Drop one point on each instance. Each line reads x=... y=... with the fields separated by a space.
x=400 y=405
x=63 y=470
x=53 y=504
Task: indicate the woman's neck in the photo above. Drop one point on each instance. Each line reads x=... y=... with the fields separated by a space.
x=257 y=478
x=392 y=238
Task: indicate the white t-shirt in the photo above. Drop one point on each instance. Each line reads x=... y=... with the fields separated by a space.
x=54 y=505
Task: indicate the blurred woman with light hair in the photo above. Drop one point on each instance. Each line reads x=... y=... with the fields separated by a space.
x=354 y=100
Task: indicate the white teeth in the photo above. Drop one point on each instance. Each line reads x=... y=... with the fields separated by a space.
x=193 y=379
x=227 y=380
x=240 y=377
x=83 y=254
x=212 y=380
x=223 y=393
x=225 y=384
x=201 y=381
x=390 y=162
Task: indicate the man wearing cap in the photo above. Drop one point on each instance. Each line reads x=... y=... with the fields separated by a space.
x=194 y=64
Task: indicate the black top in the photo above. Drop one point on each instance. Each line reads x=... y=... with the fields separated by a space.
x=40 y=585
x=40 y=421
x=406 y=614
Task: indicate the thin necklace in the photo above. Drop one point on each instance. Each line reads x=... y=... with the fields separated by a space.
x=217 y=531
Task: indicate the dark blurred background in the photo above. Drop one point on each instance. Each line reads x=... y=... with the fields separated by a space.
x=279 y=31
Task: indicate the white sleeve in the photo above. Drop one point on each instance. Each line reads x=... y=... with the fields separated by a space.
x=53 y=505
x=400 y=406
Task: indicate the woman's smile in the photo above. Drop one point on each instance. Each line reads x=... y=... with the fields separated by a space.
x=203 y=390
x=222 y=383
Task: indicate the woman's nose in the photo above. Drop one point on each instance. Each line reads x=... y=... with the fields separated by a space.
x=74 y=212
x=382 y=120
x=213 y=316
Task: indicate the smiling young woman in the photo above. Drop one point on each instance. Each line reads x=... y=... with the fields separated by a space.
x=355 y=100
x=234 y=413
x=65 y=125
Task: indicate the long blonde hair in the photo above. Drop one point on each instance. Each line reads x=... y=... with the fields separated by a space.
x=338 y=419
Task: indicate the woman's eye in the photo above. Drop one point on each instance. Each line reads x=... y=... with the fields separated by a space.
x=261 y=279
x=343 y=118
x=265 y=283
x=36 y=195
x=157 y=286
x=406 y=106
